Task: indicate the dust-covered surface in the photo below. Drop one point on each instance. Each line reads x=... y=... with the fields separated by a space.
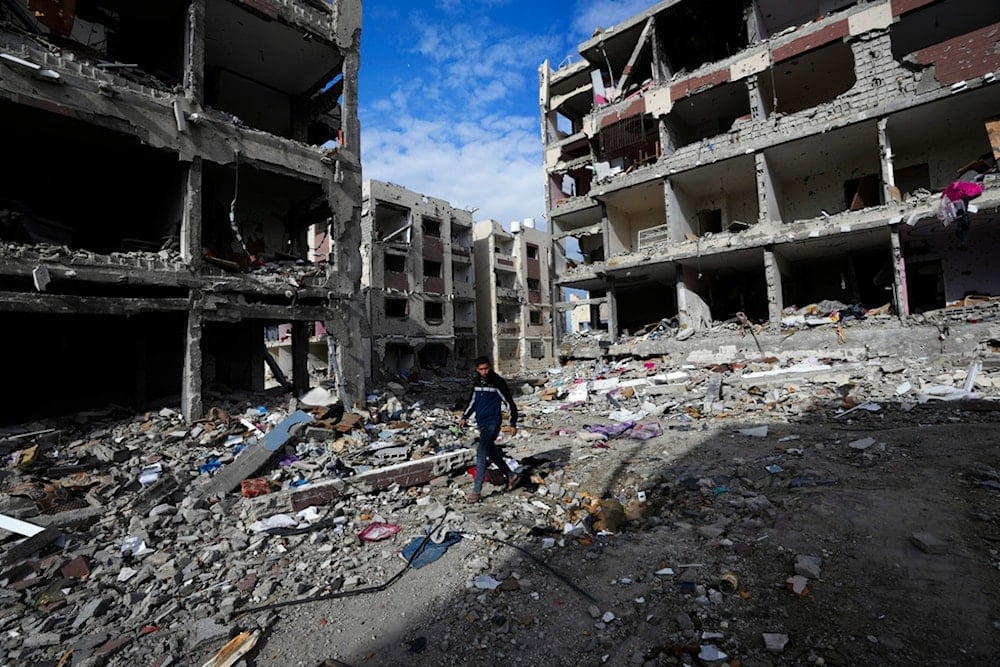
x=768 y=513
x=871 y=597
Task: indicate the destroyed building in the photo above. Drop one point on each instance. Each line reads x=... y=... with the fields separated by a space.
x=418 y=282
x=514 y=295
x=707 y=160
x=173 y=169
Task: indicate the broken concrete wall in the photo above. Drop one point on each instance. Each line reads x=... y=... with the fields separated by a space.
x=138 y=87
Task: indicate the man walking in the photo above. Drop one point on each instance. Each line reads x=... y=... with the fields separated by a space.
x=489 y=393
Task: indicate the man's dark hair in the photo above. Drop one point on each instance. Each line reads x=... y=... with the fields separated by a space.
x=481 y=360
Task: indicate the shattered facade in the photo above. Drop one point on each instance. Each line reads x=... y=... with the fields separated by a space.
x=747 y=158
x=177 y=170
x=514 y=295
x=418 y=281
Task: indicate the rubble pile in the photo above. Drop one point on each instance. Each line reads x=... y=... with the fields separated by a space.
x=138 y=539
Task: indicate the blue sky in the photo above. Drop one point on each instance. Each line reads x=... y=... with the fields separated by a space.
x=448 y=94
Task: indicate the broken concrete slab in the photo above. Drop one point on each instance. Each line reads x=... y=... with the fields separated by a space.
x=34 y=543
x=409 y=473
x=252 y=458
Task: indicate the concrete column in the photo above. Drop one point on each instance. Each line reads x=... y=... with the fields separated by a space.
x=899 y=294
x=889 y=190
x=194 y=53
x=191 y=221
x=612 y=309
x=300 y=356
x=757 y=111
x=191 y=402
x=349 y=110
x=767 y=194
x=775 y=297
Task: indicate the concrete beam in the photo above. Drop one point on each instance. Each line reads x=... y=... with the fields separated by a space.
x=409 y=473
x=65 y=304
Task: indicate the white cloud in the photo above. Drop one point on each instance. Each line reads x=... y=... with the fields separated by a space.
x=464 y=127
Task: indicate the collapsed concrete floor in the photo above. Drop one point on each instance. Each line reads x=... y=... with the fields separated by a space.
x=743 y=510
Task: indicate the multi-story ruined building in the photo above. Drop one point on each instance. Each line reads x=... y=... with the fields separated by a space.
x=514 y=295
x=747 y=156
x=171 y=168
x=418 y=282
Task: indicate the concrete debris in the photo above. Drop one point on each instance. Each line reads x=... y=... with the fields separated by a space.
x=329 y=475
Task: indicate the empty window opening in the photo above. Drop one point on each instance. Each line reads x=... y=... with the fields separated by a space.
x=273 y=215
x=395 y=263
x=432 y=269
x=532 y=251
x=461 y=240
x=534 y=317
x=399 y=359
x=939 y=22
x=144 y=213
x=432 y=227
x=534 y=284
x=325 y=121
x=279 y=363
x=645 y=304
x=862 y=192
x=564 y=126
x=709 y=221
x=508 y=315
x=862 y=277
x=392 y=223
x=773 y=16
x=266 y=72
x=592 y=248
x=505 y=279
x=433 y=312
x=911 y=179
x=695 y=33
x=808 y=79
x=925 y=288
x=147 y=349
x=536 y=349
x=434 y=356
x=709 y=113
x=395 y=307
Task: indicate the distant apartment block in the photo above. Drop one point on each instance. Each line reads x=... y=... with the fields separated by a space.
x=418 y=282
x=514 y=295
x=709 y=159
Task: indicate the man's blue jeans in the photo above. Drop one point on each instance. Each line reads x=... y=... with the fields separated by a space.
x=488 y=451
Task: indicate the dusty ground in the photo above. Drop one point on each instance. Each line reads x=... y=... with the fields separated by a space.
x=879 y=599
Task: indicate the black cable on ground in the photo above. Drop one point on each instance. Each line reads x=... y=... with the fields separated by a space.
x=336 y=595
x=354 y=591
x=561 y=577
